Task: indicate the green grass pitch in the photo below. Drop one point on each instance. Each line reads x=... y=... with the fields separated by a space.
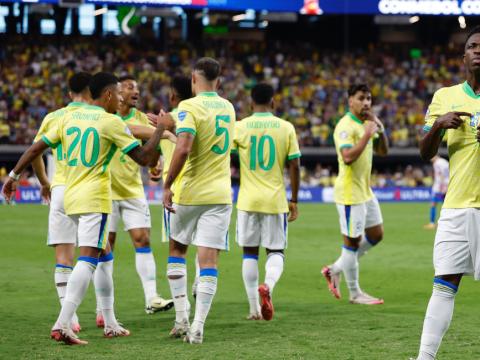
x=309 y=323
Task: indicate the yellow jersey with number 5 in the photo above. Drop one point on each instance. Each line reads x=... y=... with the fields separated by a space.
x=126 y=177
x=89 y=136
x=264 y=143
x=463 y=147
x=206 y=175
x=58 y=154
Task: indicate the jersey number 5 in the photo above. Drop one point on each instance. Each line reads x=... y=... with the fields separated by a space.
x=258 y=155
x=219 y=131
x=83 y=140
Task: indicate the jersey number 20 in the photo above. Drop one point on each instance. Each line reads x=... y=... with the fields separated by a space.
x=83 y=140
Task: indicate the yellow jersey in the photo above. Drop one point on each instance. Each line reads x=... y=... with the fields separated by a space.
x=206 y=174
x=463 y=147
x=125 y=172
x=58 y=154
x=167 y=147
x=352 y=185
x=264 y=143
x=89 y=136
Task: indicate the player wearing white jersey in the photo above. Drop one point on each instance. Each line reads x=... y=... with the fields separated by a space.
x=441 y=176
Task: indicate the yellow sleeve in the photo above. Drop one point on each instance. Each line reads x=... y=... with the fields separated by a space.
x=344 y=137
x=434 y=110
x=52 y=137
x=293 y=148
x=236 y=137
x=186 y=121
x=120 y=135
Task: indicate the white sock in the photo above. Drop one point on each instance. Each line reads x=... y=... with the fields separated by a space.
x=207 y=287
x=250 y=280
x=437 y=319
x=62 y=274
x=365 y=245
x=348 y=263
x=197 y=267
x=147 y=270
x=177 y=267
x=273 y=269
x=104 y=289
x=76 y=288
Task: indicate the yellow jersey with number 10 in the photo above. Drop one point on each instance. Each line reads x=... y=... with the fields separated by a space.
x=89 y=136
x=58 y=154
x=352 y=185
x=126 y=176
x=206 y=176
x=463 y=147
x=264 y=143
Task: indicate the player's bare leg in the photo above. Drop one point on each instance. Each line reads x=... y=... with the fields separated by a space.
x=64 y=255
x=439 y=314
x=147 y=271
x=76 y=288
x=371 y=238
x=206 y=289
x=273 y=271
x=177 y=278
x=250 y=280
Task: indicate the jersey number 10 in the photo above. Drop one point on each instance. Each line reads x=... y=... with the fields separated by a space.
x=258 y=155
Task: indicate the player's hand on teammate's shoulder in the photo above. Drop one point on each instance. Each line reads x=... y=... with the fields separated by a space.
x=152 y=119
x=9 y=188
x=292 y=211
x=163 y=119
x=451 y=120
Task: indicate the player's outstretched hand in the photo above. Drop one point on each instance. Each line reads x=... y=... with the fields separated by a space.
x=167 y=200
x=165 y=119
x=9 y=189
x=292 y=211
x=371 y=127
x=45 y=192
x=451 y=120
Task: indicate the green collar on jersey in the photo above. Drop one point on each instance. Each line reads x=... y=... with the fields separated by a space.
x=469 y=91
x=93 y=107
x=354 y=118
x=208 y=93
x=262 y=114
x=77 y=103
x=129 y=116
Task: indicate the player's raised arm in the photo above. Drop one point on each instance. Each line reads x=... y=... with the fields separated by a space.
x=350 y=154
x=28 y=156
x=380 y=144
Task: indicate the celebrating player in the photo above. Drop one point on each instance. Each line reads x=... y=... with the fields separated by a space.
x=201 y=208
x=356 y=136
x=439 y=188
x=455 y=111
x=62 y=234
x=130 y=205
x=265 y=144
x=90 y=136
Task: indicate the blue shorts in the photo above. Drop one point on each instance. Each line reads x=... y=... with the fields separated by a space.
x=438 y=197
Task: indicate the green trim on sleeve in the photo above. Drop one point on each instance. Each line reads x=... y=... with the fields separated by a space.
x=234 y=151
x=346 y=146
x=294 y=156
x=49 y=143
x=188 y=130
x=130 y=147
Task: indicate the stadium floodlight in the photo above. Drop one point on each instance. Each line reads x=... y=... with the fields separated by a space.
x=462 y=22
x=414 y=19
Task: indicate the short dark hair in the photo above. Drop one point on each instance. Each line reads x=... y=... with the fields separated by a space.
x=182 y=86
x=78 y=82
x=210 y=68
x=262 y=94
x=353 y=89
x=126 y=77
x=475 y=30
x=100 y=81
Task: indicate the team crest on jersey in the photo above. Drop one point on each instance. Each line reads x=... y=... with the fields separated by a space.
x=474 y=120
x=343 y=135
x=182 y=115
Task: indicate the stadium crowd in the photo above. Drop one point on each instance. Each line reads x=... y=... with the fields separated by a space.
x=310 y=83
